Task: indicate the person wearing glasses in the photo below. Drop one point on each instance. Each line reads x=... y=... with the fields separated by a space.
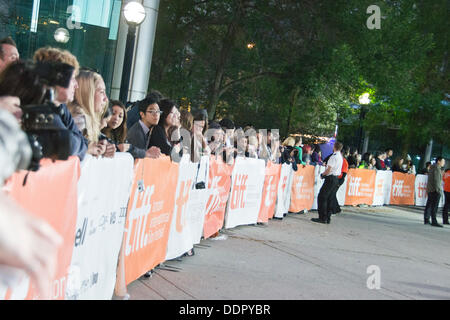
x=170 y=116
x=139 y=134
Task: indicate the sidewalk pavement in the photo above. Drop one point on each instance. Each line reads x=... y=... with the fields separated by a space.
x=298 y=259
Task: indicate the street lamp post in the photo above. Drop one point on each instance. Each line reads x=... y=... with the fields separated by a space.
x=134 y=14
x=364 y=100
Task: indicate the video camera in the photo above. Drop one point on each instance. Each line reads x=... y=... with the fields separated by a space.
x=43 y=123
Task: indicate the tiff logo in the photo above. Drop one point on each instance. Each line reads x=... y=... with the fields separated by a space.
x=397 y=188
x=268 y=201
x=214 y=198
x=422 y=190
x=299 y=185
x=353 y=186
x=239 y=187
x=181 y=201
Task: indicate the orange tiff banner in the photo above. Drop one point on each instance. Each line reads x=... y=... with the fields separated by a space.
x=402 y=190
x=149 y=215
x=220 y=185
x=360 y=187
x=302 y=191
x=51 y=195
x=270 y=192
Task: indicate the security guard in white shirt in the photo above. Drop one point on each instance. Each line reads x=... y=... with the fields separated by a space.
x=326 y=194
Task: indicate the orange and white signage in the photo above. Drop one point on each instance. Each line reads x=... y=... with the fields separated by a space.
x=402 y=190
x=189 y=211
x=150 y=210
x=383 y=182
x=284 y=190
x=219 y=185
x=103 y=192
x=360 y=186
x=270 y=190
x=246 y=190
x=302 y=191
x=49 y=194
x=421 y=189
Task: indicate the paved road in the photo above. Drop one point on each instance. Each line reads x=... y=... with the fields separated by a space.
x=297 y=259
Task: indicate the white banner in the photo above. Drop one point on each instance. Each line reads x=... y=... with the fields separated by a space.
x=196 y=208
x=188 y=216
x=420 y=190
x=247 y=182
x=103 y=192
x=421 y=195
x=387 y=186
x=340 y=195
x=179 y=236
x=284 y=190
x=318 y=182
x=382 y=190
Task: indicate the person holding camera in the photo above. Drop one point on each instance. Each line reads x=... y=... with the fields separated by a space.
x=65 y=95
x=329 y=188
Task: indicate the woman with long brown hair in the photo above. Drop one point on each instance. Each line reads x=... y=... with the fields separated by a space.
x=116 y=130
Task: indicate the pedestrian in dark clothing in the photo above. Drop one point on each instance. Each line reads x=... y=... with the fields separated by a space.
x=434 y=189
x=328 y=190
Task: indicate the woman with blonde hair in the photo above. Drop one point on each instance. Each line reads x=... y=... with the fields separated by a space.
x=87 y=109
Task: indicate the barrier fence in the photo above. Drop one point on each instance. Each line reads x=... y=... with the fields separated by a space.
x=120 y=219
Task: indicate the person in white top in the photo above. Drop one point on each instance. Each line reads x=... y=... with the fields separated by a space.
x=328 y=190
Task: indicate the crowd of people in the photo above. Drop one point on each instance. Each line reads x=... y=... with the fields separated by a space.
x=153 y=127
x=380 y=160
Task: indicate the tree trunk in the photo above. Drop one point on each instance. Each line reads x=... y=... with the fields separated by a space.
x=294 y=99
x=223 y=59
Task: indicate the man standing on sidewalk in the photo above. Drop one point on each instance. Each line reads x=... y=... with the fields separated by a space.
x=328 y=190
x=434 y=189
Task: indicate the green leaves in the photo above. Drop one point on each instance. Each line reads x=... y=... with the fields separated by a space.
x=310 y=60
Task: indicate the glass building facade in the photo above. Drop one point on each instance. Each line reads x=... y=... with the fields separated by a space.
x=87 y=28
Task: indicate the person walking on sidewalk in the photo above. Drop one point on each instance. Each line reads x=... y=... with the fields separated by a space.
x=328 y=190
x=434 y=189
x=447 y=196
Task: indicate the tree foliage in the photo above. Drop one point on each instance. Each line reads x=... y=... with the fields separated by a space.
x=309 y=63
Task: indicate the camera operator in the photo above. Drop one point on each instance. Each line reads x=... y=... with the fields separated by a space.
x=26 y=243
x=65 y=95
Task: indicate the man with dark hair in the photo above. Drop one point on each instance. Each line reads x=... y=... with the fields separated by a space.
x=434 y=189
x=328 y=190
x=8 y=52
x=388 y=160
x=133 y=108
x=139 y=134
